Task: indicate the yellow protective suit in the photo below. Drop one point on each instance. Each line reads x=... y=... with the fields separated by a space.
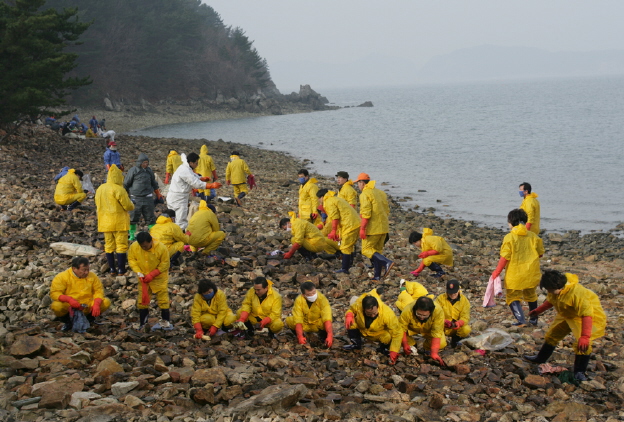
x=206 y=165
x=460 y=310
x=69 y=189
x=236 y=173
x=413 y=290
x=312 y=317
x=348 y=193
x=531 y=206
x=84 y=290
x=270 y=307
x=205 y=230
x=217 y=313
x=142 y=261
x=522 y=249
x=432 y=328
x=113 y=204
x=169 y=234
x=308 y=202
x=309 y=236
x=430 y=242
x=385 y=328
x=374 y=207
x=572 y=304
x=90 y=134
x=174 y=160
x=349 y=226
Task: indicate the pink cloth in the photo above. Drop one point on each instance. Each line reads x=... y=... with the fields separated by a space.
x=494 y=289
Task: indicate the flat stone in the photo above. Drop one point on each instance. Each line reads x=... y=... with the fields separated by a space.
x=55 y=399
x=281 y=396
x=201 y=377
x=456 y=359
x=107 y=367
x=133 y=401
x=81 y=399
x=26 y=346
x=535 y=381
x=121 y=388
x=203 y=396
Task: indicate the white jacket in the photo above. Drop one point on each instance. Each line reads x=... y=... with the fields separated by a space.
x=184 y=179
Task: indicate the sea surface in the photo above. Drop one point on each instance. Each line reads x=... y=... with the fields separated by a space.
x=463 y=149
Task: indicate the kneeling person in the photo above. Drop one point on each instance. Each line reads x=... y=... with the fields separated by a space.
x=424 y=318
x=69 y=193
x=306 y=238
x=311 y=313
x=210 y=310
x=456 y=312
x=261 y=308
x=204 y=230
x=409 y=293
x=167 y=232
x=435 y=251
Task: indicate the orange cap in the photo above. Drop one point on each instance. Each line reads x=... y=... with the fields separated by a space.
x=363 y=176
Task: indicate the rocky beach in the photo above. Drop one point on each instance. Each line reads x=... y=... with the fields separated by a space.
x=114 y=373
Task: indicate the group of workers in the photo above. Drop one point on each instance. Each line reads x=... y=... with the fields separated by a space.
x=326 y=221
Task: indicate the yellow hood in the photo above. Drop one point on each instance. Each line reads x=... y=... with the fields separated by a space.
x=369 y=185
x=572 y=281
x=329 y=194
x=172 y=153
x=203 y=150
x=115 y=175
x=427 y=232
x=163 y=220
x=532 y=195
x=520 y=230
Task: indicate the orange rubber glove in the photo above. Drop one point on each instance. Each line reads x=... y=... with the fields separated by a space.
x=188 y=233
x=299 y=331
x=393 y=357
x=158 y=194
x=243 y=317
x=214 y=175
x=406 y=347
x=332 y=235
x=151 y=275
x=291 y=252
x=427 y=253
x=418 y=270
x=313 y=216
x=458 y=324
x=320 y=226
x=266 y=321
x=363 y=225
x=215 y=185
x=227 y=182
x=330 y=334
x=541 y=309
x=349 y=318
x=167 y=177
x=205 y=178
x=528 y=226
x=95 y=309
x=502 y=262
x=586 y=330
x=199 y=331
x=447 y=323
x=435 y=348
x=213 y=331
x=72 y=302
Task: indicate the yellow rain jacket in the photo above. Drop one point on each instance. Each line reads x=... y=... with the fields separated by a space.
x=68 y=186
x=206 y=165
x=168 y=233
x=339 y=209
x=313 y=315
x=145 y=261
x=374 y=207
x=308 y=202
x=309 y=236
x=531 y=206
x=429 y=242
x=84 y=290
x=270 y=307
x=573 y=303
x=432 y=328
x=522 y=249
x=348 y=193
x=113 y=203
x=173 y=162
x=457 y=311
x=202 y=224
x=386 y=322
x=237 y=170
x=413 y=290
x=218 y=307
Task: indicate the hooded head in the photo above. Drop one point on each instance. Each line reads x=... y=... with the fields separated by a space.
x=204 y=206
x=142 y=157
x=115 y=175
x=203 y=150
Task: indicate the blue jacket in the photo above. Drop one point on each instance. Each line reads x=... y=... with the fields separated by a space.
x=93 y=123
x=111 y=157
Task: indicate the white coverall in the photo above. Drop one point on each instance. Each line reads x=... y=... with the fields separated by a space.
x=184 y=180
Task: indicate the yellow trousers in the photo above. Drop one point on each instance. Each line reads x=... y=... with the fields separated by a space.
x=116 y=242
x=373 y=243
x=208 y=320
x=70 y=198
x=275 y=326
x=528 y=295
x=462 y=332
x=162 y=298
x=348 y=241
x=558 y=331
x=210 y=243
x=427 y=345
x=175 y=247
x=62 y=308
x=240 y=188
x=308 y=328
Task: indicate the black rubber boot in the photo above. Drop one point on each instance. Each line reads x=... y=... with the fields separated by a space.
x=346 y=264
x=533 y=319
x=110 y=258
x=73 y=205
x=455 y=339
x=173 y=261
x=377 y=267
x=384 y=263
x=580 y=367
x=66 y=319
x=356 y=340
x=384 y=349
x=165 y=314
x=322 y=335
x=439 y=272
x=143 y=315
x=516 y=309
x=309 y=256
x=122 y=258
x=542 y=356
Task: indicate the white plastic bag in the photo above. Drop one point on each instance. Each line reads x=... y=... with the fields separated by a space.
x=490 y=339
x=87 y=184
x=74 y=249
x=192 y=209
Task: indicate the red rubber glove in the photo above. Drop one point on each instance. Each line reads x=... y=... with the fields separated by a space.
x=447 y=323
x=458 y=324
x=332 y=235
x=363 y=225
x=95 y=309
x=167 y=177
x=528 y=226
x=213 y=331
x=330 y=334
x=541 y=309
x=313 y=216
x=349 y=318
x=418 y=270
x=435 y=348
x=151 y=275
x=319 y=226
x=266 y=321
x=214 y=175
x=215 y=185
x=292 y=251
x=243 y=317
x=121 y=167
x=428 y=253
x=406 y=347
x=299 y=331
x=586 y=330
x=227 y=182
x=199 y=331
x=68 y=299
x=158 y=194
x=502 y=262
x=107 y=166
x=393 y=357
x=188 y=233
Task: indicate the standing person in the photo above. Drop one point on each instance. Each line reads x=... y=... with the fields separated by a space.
x=210 y=310
x=456 y=312
x=520 y=255
x=113 y=204
x=531 y=206
x=205 y=231
x=103 y=124
x=346 y=191
x=68 y=192
x=183 y=182
x=435 y=251
x=307 y=197
x=579 y=312
x=425 y=318
x=306 y=238
x=345 y=223
x=261 y=308
x=374 y=228
x=206 y=168
x=149 y=259
x=93 y=124
x=236 y=174
x=167 y=232
x=74 y=288
x=311 y=313
x=173 y=162
x=112 y=156
x=142 y=187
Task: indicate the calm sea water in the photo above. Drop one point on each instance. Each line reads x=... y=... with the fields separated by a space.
x=468 y=146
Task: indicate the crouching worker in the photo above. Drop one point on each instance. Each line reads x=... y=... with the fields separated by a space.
x=69 y=193
x=372 y=319
x=149 y=259
x=409 y=292
x=424 y=318
x=578 y=312
x=167 y=232
x=435 y=251
x=261 y=308
x=77 y=288
x=456 y=312
x=311 y=313
x=210 y=310
x=204 y=230
x=306 y=238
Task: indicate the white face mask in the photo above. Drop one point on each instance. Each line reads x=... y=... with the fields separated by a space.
x=288 y=229
x=312 y=298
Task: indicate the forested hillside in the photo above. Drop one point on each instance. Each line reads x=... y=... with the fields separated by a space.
x=162 y=49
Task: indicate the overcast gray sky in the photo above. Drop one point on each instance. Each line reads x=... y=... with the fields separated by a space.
x=343 y=31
